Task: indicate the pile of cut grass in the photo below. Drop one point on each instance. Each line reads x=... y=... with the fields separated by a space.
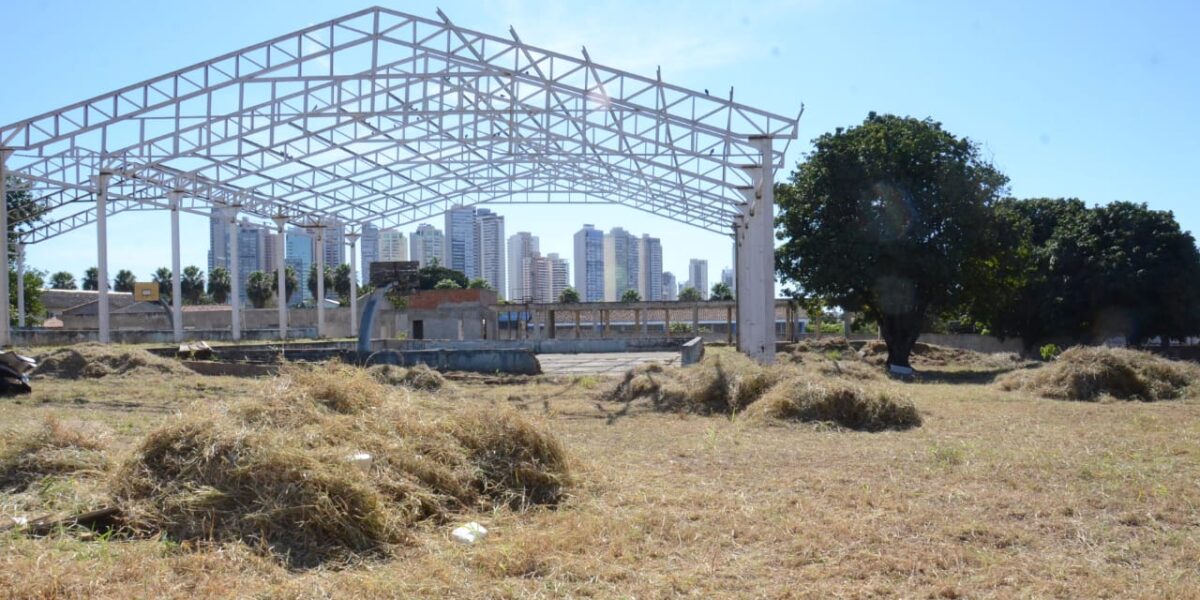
x=329 y=465
x=834 y=400
x=54 y=449
x=730 y=383
x=93 y=360
x=1094 y=373
x=931 y=355
x=417 y=377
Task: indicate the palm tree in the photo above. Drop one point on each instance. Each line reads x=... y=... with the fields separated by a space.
x=569 y=296
x=62 y=280
x=689 y=294
x=291 y=282
x=124 y=281
x=163 y=278
x=219 y=285
x=630 y=296
x=720 y=291
x=91 y=279
x=312 y=281
x=192 y=283
x=341 y=281
x=258 y=289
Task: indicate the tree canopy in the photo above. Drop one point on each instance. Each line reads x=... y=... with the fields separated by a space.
x=219 y=285
x=312 y=281
x=689 y=294
x=429 y=276
x=192 y=284
x=447 y=284
x=124 y=281
x=569 y=296
x=291 y=282
x=479 y=283
x=63 y=280
x=631 y=295
x=259 y=289
x=91 y=279
x=892 y=218
x=720 y=291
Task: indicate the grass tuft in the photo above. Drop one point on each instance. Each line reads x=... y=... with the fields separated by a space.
x=833 y=400
x=417 y=377
x=1092 y=373
x=54 y=449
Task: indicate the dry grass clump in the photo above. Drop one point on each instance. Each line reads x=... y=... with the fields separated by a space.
x=417 y=377
x=817 y=389
x=92 y=360
x=338 y=386
x=54 y=449
x=311 y=475
x=1091 y=373
x=834 y=400
x=825 y=365
x=722 y=383
x=929 y=355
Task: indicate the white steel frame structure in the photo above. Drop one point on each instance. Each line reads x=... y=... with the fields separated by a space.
x=387 y=118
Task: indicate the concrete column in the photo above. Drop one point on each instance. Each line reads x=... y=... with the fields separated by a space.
x=576 y=324
x=551 y=325
x=20 y=284
x=667 y=323
x=695 y=320
x=235 y=277
x=5 y=330
x=176 y=273
x=352 y=239
x=320 y=281
x=756 y=261
x=101 y=256
x=606 y=317
x=280 y=274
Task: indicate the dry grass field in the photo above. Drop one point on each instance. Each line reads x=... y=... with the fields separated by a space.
x=997 y=494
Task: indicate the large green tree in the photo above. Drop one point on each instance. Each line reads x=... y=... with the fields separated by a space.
x=312 y=281
x=1074 y=274
x=569 y=295
x=341 y=282
x=720 y=291
x=892 y=218
x=689 y=294
x=219 y=285
x=162 y=276
x=429 y=276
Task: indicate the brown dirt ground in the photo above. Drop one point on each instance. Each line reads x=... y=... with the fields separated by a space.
x=997 y=495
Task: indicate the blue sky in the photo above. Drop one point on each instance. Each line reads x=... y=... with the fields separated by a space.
x=1094 y=100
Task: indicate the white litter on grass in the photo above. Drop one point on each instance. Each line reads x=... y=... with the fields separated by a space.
x=20 y=521
x=362 y=460
x=470 y=533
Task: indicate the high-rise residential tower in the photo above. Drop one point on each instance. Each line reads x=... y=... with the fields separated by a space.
x=589 y=264
x=489 y=245
x=298 y=254
x=368 y=245
x=425 y=245
x=670 y=289
x=521 y=247
x=698 y=276
x=392 y=246
x=650 y=271
x=621 y=263
x=547 y=276
x=459 y=249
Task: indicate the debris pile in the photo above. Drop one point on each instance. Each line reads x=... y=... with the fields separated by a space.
x=330 y=465
x=1094 y=373
x=94 y=360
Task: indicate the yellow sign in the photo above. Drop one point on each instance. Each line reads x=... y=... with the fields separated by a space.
x=145 y=292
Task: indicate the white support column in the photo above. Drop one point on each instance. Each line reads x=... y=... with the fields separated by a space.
x=320 y=281
x=281 y=275
x=5 y=329
x=176 y=273
x=102 y=254
x=235 y=279
x=352 y=239
x=756 y=262
x=20 y=284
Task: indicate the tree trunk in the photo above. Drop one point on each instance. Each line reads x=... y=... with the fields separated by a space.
x=900 y=332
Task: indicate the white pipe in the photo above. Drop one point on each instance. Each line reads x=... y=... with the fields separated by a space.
x=281 y=276
x=5 y=329
x=320 y=281
x=235 y=277
x=20 y=283
x=353 y=239
x=176 y=273
x=102 y=254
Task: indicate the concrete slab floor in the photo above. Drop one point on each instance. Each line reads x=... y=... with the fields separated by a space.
x=603 y=364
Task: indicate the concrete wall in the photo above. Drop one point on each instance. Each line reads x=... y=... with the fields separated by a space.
x=64 y=337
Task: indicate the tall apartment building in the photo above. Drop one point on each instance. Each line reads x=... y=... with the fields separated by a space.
x=425 y=245
x=589 y=264
x=298 y=253
x=521 y=247
x=489 y=245
x=459 y=249
x=546 y=276
x=621 y=263
x=218 y=239
x=650 y=270
x=392 y=246
x=670 y=289
x=251 y=255
x=727 y=277
x=269 y=260
x=335 y=244
x=369 y=248
x=698 y=276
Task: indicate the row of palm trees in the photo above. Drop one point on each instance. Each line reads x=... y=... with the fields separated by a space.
x=261 y=286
